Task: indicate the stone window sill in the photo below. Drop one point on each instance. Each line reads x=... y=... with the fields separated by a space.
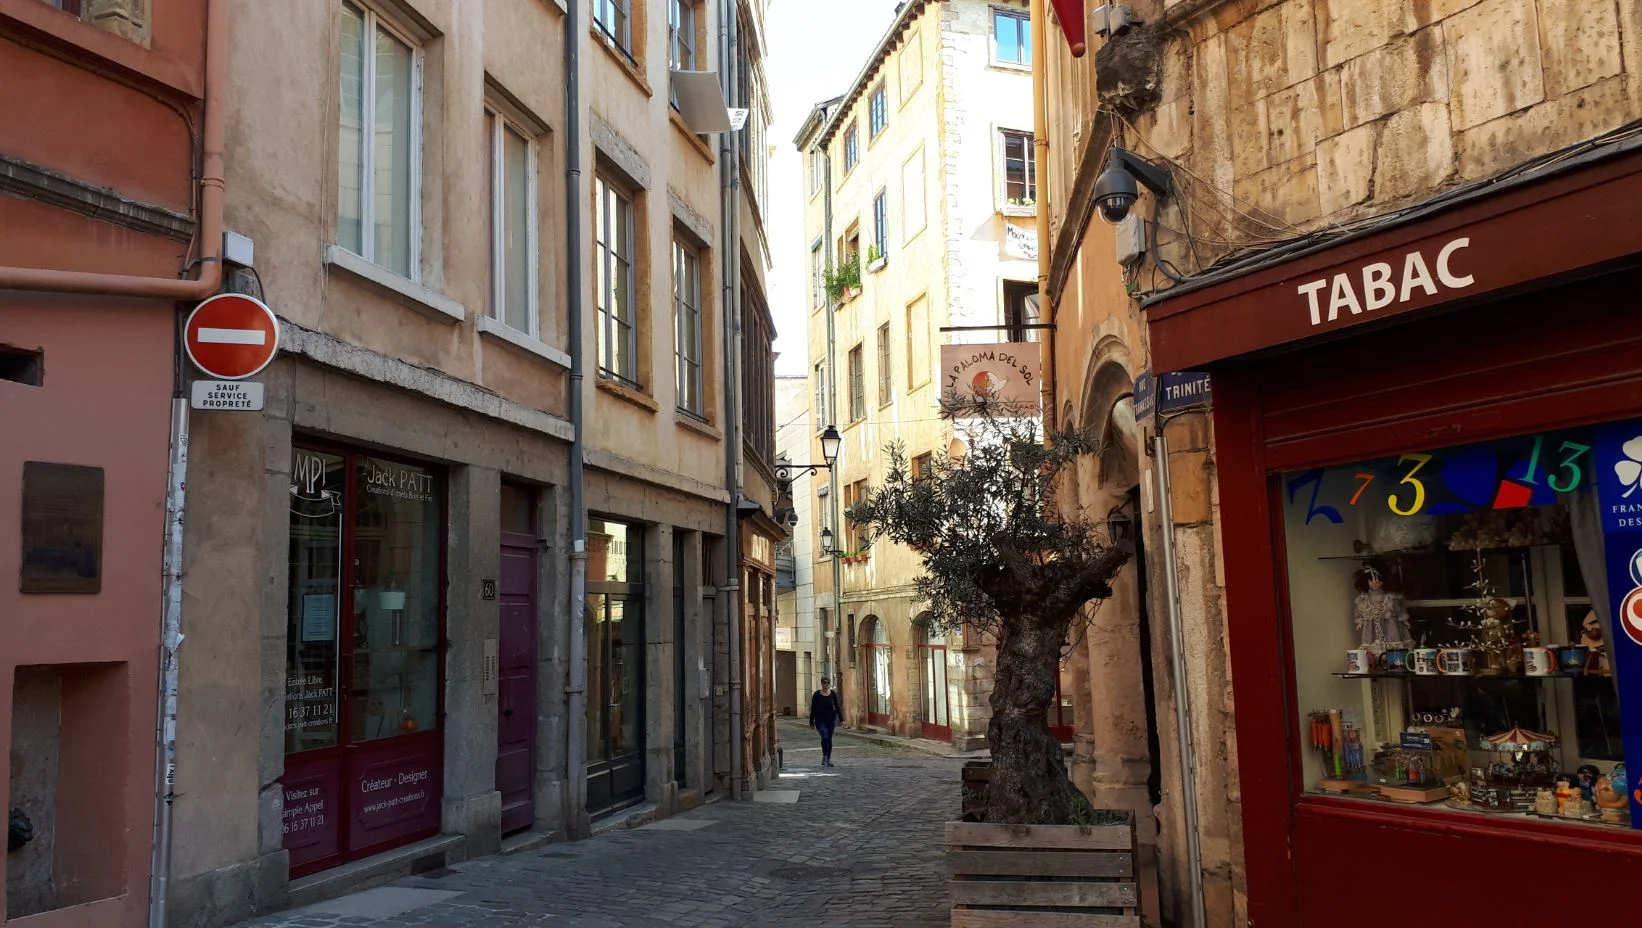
x=687 y=421
x=431 y=301
x=517 y=339
x=628 y=394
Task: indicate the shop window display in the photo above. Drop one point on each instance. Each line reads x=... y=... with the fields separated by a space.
x=1450 y=616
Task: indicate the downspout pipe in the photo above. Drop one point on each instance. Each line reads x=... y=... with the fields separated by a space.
x=1182 y=688
x=730 y=178
x=1040 y=167
x=208 y=238
x=576 y=685
x=833 y=489
x=206 y=284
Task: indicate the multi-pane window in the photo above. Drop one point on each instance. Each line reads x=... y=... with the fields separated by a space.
x=613 y=250
x=687 y=327
x=1020 y=310
x=1020 y=172
x=818 y=170
x=880 y=222
x=877 y=110
x=513 y=265
x=858 y=385
x=852 y=147
x=884 y=375
x=1011 y=37
x=757 y=377
x=681 y=34
x=818 y=275
x=855 y=534
x=614 y=19
x=823 y=413
x=923 y=465
x=377 y=163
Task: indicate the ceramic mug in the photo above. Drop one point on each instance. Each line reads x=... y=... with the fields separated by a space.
x=1396 y=660
x=1425 y=661
x=1455 y=662
x=1572 y=657
x=1359 y=660
x=1538 y=662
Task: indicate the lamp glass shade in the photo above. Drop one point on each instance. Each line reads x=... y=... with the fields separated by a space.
x=826 y=541
x=830 y=443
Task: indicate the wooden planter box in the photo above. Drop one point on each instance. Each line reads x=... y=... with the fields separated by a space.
x=1043 y=876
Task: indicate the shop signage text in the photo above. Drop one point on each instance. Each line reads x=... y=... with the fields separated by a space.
x=1381 y=285
x=1004 y=373
x=306 y=809
x=1184 y=390
x=1618 y=493
x=398 y=482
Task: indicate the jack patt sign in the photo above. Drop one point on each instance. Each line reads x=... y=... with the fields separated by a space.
x=1005 y=373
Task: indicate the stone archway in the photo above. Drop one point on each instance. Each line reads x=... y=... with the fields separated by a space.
x=876 y=658
x=934 y=696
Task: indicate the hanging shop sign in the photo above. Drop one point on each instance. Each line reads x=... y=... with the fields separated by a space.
x=1004 y=373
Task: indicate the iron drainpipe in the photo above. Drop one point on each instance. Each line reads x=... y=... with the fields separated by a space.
x=576 y=687
x=832 y=420
x=1040 y=168
x=1182 y=691
x=730 y=167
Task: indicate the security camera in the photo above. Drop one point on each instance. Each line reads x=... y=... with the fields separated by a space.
x=792 y=518
x=1118 y=187
x=1115 y=192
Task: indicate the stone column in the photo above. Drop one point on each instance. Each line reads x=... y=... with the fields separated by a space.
x=697 y=685
x=552 y=661
x=472 y=806
x=658 y=666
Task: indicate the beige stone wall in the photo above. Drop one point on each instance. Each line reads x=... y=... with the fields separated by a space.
x=1285 y=117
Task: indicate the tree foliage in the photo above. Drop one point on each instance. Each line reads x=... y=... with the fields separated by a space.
x=1000 y=557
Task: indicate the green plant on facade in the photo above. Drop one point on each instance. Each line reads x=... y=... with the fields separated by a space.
x=842 y=278
x=873 y=254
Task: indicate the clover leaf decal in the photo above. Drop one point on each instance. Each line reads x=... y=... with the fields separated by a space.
x=1629 y=471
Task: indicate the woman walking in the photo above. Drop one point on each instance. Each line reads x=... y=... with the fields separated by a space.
x=826 y=714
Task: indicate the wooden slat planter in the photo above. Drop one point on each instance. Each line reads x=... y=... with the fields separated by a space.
x=1045 y=876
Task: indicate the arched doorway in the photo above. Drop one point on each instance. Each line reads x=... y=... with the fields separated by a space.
x=937 y=714
x=875 y=657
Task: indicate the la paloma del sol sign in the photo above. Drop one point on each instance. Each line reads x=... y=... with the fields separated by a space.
x=1382 y=284
x=1002 y=373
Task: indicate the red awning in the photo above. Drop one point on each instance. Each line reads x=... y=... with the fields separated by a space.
x=1072 y=19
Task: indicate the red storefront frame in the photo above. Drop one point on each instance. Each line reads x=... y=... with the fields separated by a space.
x=1550 y=353
x=328 y=781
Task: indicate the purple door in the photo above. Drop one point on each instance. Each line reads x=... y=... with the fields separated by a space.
x=516 y=731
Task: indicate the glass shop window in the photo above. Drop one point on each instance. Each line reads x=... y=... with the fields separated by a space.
x=1450 y=613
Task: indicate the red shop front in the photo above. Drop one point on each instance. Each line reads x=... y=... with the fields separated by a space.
x=1428 y=435
x=364 y=656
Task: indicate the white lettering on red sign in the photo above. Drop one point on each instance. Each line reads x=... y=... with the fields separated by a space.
x=1381 y=287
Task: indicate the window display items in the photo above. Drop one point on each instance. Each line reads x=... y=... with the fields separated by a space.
x=1339 y=740
x=1494 y=628
x=1379 y=614
x=1596 y=653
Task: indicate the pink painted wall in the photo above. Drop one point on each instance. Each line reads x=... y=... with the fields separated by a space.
x=104 y=402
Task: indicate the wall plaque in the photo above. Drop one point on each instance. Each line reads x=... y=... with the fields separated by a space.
x=62 y=528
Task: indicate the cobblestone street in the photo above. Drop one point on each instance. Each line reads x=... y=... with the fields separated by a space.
x=861 y=847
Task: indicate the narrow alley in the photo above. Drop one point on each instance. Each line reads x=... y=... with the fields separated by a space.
x=859 y=845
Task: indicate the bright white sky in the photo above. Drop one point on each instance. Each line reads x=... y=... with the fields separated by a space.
x=815 y=51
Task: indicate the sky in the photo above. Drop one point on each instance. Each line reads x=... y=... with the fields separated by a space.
x=815 y=51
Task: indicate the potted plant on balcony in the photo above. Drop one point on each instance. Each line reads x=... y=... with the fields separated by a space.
x=843 y=282
x=1000 y=557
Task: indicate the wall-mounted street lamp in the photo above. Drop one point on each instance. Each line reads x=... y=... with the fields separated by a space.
x=1120 y=527
x=831 y=441
x=827 y=549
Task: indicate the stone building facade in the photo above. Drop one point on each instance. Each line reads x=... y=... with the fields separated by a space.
x=1277 y=121
x=909 y=184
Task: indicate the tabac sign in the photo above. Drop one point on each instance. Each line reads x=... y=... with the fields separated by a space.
x=1004 y=373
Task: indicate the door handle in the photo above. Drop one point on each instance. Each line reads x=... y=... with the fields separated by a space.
x=507 y=713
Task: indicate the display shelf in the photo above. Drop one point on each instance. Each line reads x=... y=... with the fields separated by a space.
x=1388 y=675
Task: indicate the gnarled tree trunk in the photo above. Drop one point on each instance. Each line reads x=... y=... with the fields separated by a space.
x=1029 y=784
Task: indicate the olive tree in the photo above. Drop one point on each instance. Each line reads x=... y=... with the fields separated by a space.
x=1001 y=558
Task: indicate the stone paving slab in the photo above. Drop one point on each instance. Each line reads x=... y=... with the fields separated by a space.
x=862 y=847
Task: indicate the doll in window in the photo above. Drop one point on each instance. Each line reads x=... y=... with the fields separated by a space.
x=1379 y=613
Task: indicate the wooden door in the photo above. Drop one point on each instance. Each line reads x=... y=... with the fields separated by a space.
x=516 y=728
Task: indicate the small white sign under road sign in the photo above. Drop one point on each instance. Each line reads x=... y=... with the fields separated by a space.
x=227 y=394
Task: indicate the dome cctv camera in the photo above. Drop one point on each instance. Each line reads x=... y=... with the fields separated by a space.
x=1115 y=192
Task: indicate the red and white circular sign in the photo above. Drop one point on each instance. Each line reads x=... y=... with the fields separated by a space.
x=231 y=336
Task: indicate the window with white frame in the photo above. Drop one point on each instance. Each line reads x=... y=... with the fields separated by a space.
x=1011 y=37
x=681 y=34
x=823 y=413
x=513 y=242
x=880 y=223
x=379 y=182
x=852 y=147
x=818 y=170
x=688 y=328
x=1020 y=171
x=818 y=274
x=614 y=19
x=886 y=376
x=858 y=385
x=613 y=254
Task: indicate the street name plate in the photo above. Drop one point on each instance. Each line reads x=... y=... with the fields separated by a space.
x=227 y=394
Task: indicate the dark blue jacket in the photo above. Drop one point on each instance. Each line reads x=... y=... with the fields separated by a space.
x=826 y=710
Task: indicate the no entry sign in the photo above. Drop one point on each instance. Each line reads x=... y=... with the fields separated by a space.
x=231 y=336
